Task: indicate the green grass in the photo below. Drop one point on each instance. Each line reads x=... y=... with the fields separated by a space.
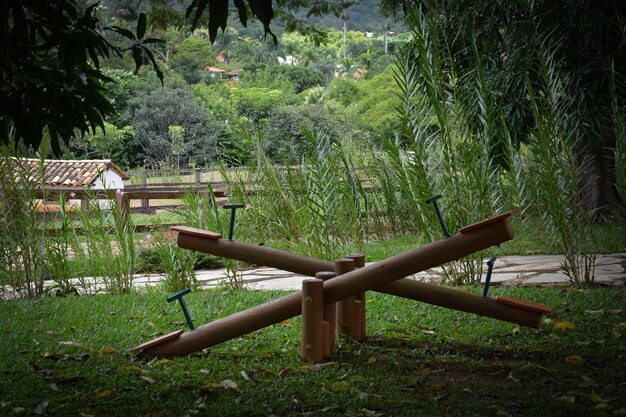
x=418 y=360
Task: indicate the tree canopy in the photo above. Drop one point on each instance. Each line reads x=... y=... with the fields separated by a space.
x=50 y=77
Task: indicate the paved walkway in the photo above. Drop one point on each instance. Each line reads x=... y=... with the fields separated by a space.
x=508 y=271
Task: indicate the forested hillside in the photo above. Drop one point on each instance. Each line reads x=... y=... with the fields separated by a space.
x=212 y=93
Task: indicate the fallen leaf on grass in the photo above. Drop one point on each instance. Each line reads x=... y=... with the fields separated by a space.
x=128 y=368
x=318 y=366
x=341 y=387
x=574 y=360
x=88 y=412
x=40 y=410
x=371 y=360
x=105 y=394
x=49 y=354
x=229 y=384
x=71 y=343
x=266 y=371
x=107 y=351
x=564 y=325
x=55 y=387
x=148 y=379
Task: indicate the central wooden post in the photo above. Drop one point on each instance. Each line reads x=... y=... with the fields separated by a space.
x=346 y=310
x=329 y=325
x=359 y=301
x=311 y=348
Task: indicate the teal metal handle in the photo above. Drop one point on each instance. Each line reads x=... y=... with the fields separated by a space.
x=233 y=208
x=179 y=296
x=435 y=202
x=490 y=263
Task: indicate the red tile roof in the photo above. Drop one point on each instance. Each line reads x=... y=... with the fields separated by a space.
x=70 y=173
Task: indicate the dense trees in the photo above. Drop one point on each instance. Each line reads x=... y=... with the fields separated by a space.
x=153 y=116
x=50 y=73
x=582 y=39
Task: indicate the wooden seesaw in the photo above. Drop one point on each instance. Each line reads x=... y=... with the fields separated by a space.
x=316 y=301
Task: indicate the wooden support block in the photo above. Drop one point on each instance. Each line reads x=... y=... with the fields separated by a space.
x=311 y=348
x=346 y=313
x=329 y=313
x=526 y=305
x=196 y=232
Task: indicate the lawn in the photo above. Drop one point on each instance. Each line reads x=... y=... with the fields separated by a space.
x=71 y=356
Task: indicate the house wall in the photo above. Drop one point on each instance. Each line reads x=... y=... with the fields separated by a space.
x=108 y=180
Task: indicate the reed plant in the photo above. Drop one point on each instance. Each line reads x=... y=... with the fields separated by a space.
x=176 y=263
x=118 y=278
x=315 y=202
x=557 y=164
x=443 y=149
x=23 y=264
x=62 y=246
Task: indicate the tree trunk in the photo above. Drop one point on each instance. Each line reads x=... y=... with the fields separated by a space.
x=597 y=182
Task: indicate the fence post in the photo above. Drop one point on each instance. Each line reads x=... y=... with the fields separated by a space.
x=198 y=173
x=145 y=202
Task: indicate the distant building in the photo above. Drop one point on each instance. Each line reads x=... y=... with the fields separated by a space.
x=220 y=73
x=76 y=175
x=288 y=60
x=223 y=59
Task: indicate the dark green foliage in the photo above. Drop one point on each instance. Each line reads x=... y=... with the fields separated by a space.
x=344 y=91
x=50 y=69
x=284 y=139
x=191 y=58
x=508 y=41
x=153 y=114
x=300 y=77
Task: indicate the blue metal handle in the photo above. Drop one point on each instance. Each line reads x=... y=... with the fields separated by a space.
x=435 y=202
x=233 y=208
x=490 y=263
x=179 y=296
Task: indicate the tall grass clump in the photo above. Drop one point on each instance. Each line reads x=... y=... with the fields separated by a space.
x=443 y=149
x=314 y=203
x=110 y=250
x=619 y=123
x=203 y=212
x=557 y=163
x=23 y=265
x=62 y=247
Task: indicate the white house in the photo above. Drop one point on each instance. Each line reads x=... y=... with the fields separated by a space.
x=77 y=175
